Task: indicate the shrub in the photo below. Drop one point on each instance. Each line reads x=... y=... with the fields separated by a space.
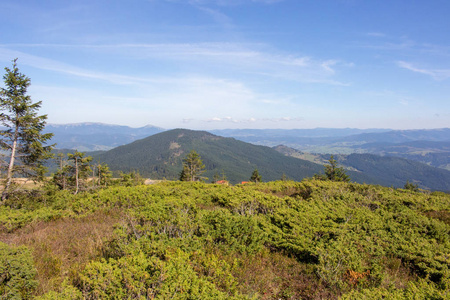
x=17 y=273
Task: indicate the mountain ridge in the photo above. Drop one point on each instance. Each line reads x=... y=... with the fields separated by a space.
x=161 y=156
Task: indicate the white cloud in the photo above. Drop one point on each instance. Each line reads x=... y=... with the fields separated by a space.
x=253 y=120
x=437 y=74
x=241 y=59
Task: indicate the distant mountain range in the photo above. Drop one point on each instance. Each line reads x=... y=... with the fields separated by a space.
x=431 y=146
x=383 y=170
x=96 y=136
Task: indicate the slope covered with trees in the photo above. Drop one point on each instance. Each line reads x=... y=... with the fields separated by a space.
x=160 y=156
x=383 y=170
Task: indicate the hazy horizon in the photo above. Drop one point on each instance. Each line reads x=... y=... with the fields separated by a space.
x=242 y=128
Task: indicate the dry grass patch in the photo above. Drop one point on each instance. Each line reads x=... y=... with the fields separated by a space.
x=61 y=248
x=275 y=276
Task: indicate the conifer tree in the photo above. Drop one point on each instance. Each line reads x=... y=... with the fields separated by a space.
x=61 y=176
x=193 y=167
x=80 y=168
x=104 y=174
x=335 y=173
x=255 y=176
x=22 y=137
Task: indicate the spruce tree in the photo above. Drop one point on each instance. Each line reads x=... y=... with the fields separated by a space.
x=22 y=136
x=193 y=167
x=79 y=169
x=335 y=173
x=255 y=176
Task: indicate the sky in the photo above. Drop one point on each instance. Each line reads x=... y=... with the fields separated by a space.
x=217 y=64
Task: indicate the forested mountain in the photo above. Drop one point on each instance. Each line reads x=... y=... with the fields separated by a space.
x=96 y=136
x=394 y=171
x=384 y=170
x=435 y=154
x=428 y=146
x=160 y=156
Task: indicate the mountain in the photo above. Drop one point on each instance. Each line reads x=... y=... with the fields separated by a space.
x=304 y=133
x=432 y=153
x=96 y=136
x=430 y=146
x=401 y=136
x=383 y=170
x=160 y=156
x=293 y=137
x=395 y=171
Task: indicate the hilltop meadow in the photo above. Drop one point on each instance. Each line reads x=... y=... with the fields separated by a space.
x=312 y=239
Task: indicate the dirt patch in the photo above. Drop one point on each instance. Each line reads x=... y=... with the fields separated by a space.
x=174 y=145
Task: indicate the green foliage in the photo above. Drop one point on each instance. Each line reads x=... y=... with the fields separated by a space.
x=335 y=173
x=231 y=232
x=17 y=273
x=255 y=176
x=411 y=186
x=128 y=277
x=193 y=167
x=79 y=169
x=130 y=179
x=73 y=172
x=193 y=240
x=67 y=291
x=21 y=135
x=104 y=175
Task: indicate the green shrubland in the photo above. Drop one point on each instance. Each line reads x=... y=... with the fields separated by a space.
x=313 y=239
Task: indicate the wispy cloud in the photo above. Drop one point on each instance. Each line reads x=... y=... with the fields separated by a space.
x=218 y=16
x=242 y=59
x=437 y=74
x=252 y=120
x=226 y=2
x=376 y=34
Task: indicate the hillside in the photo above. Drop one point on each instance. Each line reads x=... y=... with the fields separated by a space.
x=427 y=146
x=160 y=156
x=433 y=153
x=384 y=170
x=181 y=240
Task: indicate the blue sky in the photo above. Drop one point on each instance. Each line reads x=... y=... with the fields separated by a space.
x=214 y=64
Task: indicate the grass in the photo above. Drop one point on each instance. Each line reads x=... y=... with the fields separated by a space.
x=63 y=247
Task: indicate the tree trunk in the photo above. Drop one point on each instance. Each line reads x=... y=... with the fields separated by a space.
x=11 y=164
x=76 y=175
